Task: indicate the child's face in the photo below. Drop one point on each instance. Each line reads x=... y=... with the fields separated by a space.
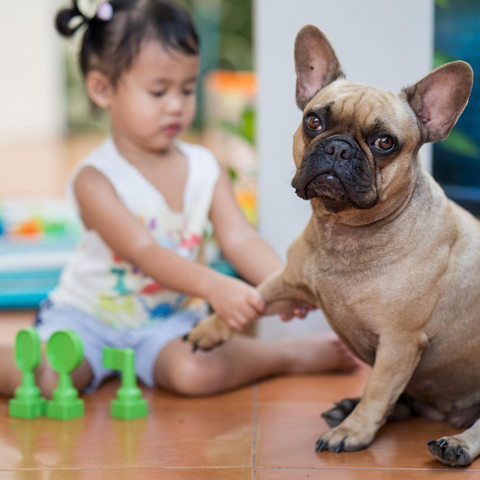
x=154 y=100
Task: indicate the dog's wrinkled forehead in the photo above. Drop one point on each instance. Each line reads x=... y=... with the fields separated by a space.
x=354 y=108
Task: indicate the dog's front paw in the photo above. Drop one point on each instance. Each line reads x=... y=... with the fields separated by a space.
x=209 y=333
x=451 y=451
x=345 y=438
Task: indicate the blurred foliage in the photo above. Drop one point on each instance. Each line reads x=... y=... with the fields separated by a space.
x=232 y=29
x=82 y=114
x=244 y=130
x=457 y=142
x=225 y=30
x=440 y=58
x=246 y=127
x=460 y=143
x=442 y=3
x=232 y=173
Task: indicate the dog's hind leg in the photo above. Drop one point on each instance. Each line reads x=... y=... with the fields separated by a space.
x=336 y=415
x=401 y=411
x=457 y=450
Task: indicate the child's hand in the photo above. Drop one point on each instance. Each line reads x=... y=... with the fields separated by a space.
x=300 y=312
x=236 y=302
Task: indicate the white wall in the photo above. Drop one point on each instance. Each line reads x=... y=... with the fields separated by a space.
x=30 y=79
x=386 y=43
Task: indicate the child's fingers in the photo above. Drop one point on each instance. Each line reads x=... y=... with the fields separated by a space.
x=242 y=320
x=300 y=312
x=250 y=313
x=234 y=324
x=257 y=301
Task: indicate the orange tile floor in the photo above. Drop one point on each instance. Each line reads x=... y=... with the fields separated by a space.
x=266 y=432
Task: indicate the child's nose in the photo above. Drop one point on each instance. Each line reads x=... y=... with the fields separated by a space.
x=175 y=105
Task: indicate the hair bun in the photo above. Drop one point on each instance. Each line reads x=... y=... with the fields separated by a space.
x=65 y=16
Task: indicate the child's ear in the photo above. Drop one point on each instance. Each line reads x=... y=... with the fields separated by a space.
x=99 y=88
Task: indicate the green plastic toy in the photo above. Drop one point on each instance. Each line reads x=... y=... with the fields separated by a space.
x=65 y=354
x=129 y=403
x=27 y=402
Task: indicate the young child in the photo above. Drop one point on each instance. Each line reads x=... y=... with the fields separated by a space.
x=144 y=198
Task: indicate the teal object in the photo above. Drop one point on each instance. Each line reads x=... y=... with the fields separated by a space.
x=27 y=403
x=26 y=289
x=129 y=403
x=65 y=354
x=222 y=266
x=26 y=284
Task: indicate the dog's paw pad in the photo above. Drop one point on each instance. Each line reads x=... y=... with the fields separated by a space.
x=450 y=451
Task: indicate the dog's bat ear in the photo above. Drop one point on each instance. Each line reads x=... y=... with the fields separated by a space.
x=439 y=98
x=315 y=63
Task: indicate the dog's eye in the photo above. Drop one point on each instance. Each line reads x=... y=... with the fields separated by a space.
x=384 y=143
x=314 y=123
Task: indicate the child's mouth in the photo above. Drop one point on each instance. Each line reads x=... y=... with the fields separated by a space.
x=172 y=130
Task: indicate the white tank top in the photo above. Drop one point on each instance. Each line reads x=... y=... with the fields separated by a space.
x=113 y=290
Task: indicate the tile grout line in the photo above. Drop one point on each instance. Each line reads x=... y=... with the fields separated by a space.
x=109 y=469
x=395 y=469
x=254 y=430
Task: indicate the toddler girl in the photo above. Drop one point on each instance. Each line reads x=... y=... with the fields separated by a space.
x=144 y=198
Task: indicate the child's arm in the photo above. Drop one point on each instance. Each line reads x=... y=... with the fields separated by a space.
x=252 y=256
x=102 y=211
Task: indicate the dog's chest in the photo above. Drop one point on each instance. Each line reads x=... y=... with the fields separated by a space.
x=365 y=304
x=349 y=312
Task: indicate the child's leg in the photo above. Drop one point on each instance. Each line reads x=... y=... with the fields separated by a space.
x=243 y=360
x=45 y=376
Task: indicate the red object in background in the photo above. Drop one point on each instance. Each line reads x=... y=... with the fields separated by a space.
x=32 y=227
x=152 y=288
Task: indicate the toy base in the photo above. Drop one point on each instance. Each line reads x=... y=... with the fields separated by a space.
x=60 y=411
x=27 y=411
x=129 y=411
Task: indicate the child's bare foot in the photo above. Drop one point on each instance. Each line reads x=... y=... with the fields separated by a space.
x=320 y=354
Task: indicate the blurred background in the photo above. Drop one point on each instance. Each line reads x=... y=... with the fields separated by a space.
x=246 y=115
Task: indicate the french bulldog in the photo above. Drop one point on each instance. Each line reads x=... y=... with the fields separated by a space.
x=393 y=264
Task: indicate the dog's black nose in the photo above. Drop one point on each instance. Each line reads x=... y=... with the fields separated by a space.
x=339 y=149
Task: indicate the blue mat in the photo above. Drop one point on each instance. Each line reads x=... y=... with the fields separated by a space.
x=29 y=270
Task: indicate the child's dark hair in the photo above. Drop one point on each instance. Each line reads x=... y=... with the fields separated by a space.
x=111 y=42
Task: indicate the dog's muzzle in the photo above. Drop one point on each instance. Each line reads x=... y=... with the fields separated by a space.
x=337 y=171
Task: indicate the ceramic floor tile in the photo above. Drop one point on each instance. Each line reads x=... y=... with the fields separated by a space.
x=314 y=388
x=287 y=433
x=170 y=437
x=159 y=398
x=346 y=474
x=132 y=474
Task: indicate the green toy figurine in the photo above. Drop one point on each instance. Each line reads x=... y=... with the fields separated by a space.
x=27 y=402
x=65 y=354
x=129 y=403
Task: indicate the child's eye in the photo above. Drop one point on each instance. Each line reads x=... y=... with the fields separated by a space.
x=158 y=94
x=189 y=92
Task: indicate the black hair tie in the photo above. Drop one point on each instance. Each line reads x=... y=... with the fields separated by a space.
x=66 y=15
